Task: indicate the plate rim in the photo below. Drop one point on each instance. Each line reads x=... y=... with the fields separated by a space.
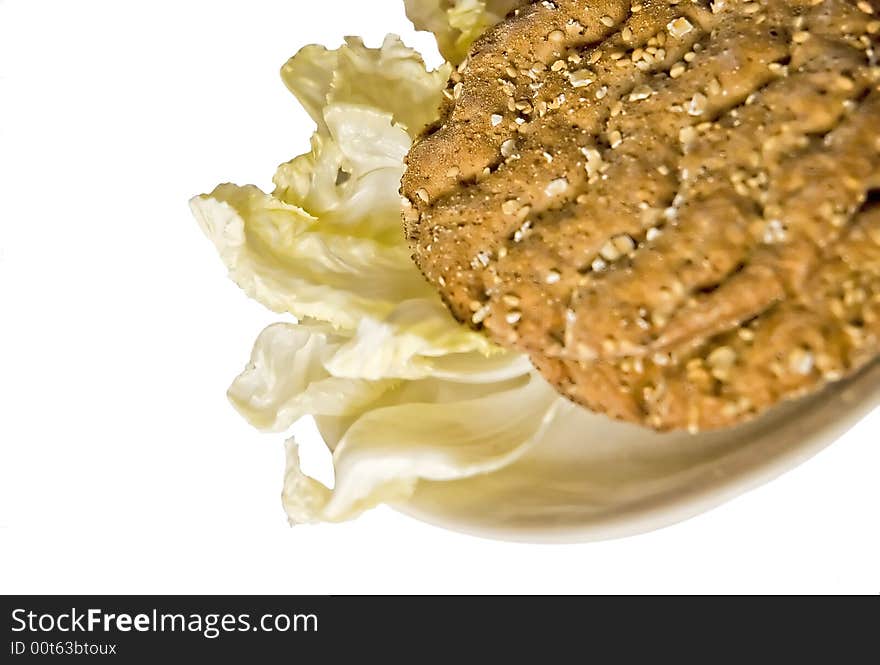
x=684 y=504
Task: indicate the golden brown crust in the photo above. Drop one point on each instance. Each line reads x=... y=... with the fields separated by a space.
x=627 y=191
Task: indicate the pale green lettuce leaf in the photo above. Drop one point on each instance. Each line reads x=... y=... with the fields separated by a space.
x=457 y=23
x=391 y=79
x=310 y=368
x=278 y=254
x=368 y=104
x=287 y=378
x=350 y=179
x=418 y=340
x=384 y=454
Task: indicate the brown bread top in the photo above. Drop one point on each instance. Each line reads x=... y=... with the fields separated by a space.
x=653 y=199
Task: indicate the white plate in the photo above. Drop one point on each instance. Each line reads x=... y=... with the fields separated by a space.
x=602 y=479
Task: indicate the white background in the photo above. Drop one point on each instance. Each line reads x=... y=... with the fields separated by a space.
x=123 y=467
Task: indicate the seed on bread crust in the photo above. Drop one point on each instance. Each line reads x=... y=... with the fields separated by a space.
x=665 y=185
